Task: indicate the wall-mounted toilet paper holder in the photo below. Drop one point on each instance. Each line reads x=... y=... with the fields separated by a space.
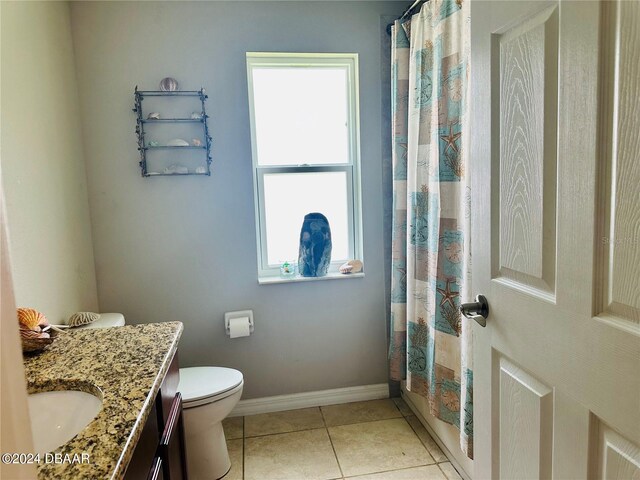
x=228 y=316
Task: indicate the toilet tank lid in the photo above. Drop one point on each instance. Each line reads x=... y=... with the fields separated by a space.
x=106 y=320
x=201 y=382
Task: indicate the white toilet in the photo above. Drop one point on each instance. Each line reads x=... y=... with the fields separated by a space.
x=208 y=396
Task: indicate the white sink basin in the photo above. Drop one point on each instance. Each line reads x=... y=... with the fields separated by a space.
x=56 y=417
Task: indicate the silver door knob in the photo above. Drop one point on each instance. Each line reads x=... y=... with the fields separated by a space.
x=478 y=310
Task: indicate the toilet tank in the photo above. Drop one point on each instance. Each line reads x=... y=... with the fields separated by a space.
x=107 y=320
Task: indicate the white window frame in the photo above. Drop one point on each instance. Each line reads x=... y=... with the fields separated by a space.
x=349 y=61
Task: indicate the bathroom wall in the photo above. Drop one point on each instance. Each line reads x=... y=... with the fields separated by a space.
x=43 y=162
x=183 y=248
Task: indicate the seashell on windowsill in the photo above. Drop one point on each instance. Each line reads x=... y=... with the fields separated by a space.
x=153 y=116
x=196 y=142
x=352 y=266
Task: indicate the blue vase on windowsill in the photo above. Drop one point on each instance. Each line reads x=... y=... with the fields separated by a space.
x=315 y=246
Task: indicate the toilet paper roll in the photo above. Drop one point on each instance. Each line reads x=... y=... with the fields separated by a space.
x=239 y=327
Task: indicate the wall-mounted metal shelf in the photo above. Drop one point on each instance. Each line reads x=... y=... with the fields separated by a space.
x=177 y=93
x=176 y=147
x=172 y=120
x=144 y=148
x=156 y=174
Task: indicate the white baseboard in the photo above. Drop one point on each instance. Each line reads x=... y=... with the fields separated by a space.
x=310 y=399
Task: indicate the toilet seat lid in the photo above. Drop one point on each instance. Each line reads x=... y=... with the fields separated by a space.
x=197 y=383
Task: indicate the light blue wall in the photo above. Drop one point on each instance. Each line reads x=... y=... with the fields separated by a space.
x=184 y=248
x=44 y=177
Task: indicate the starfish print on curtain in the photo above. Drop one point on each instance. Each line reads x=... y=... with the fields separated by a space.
x=451 y=139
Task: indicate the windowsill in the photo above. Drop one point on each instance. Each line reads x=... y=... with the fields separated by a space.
x=298 y=278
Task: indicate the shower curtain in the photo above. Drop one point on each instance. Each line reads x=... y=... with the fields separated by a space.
x=430 y=343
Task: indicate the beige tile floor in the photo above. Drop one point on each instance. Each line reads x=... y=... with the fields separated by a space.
x=374 y=440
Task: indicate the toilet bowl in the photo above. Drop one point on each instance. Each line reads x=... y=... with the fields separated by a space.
x=208 y=396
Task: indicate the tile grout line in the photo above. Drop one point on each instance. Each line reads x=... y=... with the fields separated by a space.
x=325 y=426
x=335 y=454
x=282 y=433
x=415 y=414
x=398 y=470
x=435 y=462
x=364 y=421
x=452 y=466
x=244 y=448
x=423 y=444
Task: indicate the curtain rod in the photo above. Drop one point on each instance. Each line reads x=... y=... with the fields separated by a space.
x=406 y=12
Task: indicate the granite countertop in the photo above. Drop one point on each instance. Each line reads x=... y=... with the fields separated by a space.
x=125 y=367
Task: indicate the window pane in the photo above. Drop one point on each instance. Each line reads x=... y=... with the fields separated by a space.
x=301 y=115
x=289 y=197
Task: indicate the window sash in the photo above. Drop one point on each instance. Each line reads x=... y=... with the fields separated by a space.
x=347 y=66
x=267 y=269
x=311 y=60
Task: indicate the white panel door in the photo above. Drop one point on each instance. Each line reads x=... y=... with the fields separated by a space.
x=555 y=164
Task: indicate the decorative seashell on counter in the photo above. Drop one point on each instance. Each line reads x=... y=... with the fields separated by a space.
x=196 y=142
x=196 y=115
x=168 y=84
x=82 y=318
x=352 y=266
x=31 y=319
x=25 y=333
x=201 y=169
x=35 y=342
x=154 y=116
x=177 y=142
x=35 y=331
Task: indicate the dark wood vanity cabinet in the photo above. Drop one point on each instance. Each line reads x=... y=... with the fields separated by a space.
x=160 y=452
